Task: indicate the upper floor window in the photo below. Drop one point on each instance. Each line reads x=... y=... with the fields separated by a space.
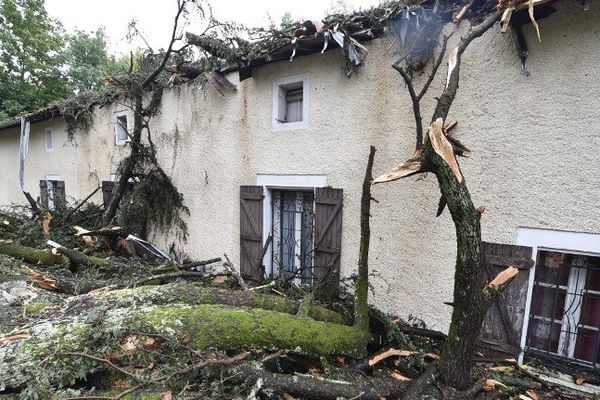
x=290 y=103
x=48 y=143
x=121 y=129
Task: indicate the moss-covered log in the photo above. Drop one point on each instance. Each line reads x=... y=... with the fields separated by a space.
x=36 y=356
x=30 y=254
x=98 y=323
x=194 y=294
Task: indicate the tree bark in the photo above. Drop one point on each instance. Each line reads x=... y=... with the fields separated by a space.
x=470 y=301
x=30 y=254
x=320 y=388
x=93 y=321
x=362 y=282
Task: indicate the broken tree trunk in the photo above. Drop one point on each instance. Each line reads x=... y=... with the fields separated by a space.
x=77 y=259
x=471 y=300
x=437 y=154
x=100 y=320
x=362 y=282
x=30 y=254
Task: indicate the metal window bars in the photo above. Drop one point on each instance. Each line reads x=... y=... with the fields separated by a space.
x=564 y=321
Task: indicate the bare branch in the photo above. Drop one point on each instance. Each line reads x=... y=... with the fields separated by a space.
x=447 y=97
x=180 y=8
x=435 y=68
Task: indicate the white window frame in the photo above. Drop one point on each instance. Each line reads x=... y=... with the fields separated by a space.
x=50 y=189
x=281 y=182
x=48 y=133
x=579 y=243
x=121 y=142
x=278 y=89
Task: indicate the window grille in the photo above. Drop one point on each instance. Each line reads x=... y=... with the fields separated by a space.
x=564 y=320
x=293 y=235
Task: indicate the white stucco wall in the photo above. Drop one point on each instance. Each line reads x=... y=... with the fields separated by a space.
x=534 y=142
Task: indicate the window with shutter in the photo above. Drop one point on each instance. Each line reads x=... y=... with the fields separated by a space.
x=251 y=223
x=503 y=325
x=52 y=192
x=328 y=239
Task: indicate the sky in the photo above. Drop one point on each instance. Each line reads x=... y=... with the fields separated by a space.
x=155 y=17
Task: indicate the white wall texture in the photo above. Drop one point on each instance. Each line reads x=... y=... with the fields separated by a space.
x=534 y=142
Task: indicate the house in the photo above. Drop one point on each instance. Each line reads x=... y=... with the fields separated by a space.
x=283 y=157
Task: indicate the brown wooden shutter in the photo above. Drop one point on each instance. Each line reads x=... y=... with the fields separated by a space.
x=328 y=238
x=59 y=189
x=251 y=229
x=44 y=193
x=503 y=325
x=107 y=189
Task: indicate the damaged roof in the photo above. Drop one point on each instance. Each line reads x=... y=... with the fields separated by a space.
x=347 y=31
x=44 y=114
x=417 y=22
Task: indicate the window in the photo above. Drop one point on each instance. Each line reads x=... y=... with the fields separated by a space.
x=564 y=318
x=48 y=143
x=293 y=234
x=290 y=103
x=121 y=131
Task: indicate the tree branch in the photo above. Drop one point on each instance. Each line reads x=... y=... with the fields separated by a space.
x=445 y=100
x=180 y=7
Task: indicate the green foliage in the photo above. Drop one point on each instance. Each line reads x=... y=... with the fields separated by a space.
x=153 y=200
x=30 y=44
x=88 y=62
x=25 y=228
x=78 y=111
x=41 y=64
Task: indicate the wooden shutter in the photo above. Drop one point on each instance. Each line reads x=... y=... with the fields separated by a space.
x=328 y=238
x=107 y=189
x=59 y=189
x=44 y=193
x=251 y=224
x=503 y=325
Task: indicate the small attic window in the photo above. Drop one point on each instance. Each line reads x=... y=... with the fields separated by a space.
x=290 y=103
x=121 y=130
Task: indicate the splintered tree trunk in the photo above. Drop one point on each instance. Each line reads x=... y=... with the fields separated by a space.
x=471 y=297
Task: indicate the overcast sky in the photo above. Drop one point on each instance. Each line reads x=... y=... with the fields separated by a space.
x=155 y=16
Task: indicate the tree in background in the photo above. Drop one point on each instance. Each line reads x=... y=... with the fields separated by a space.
x=88 y=62
x=30 y=45
x=40 y=63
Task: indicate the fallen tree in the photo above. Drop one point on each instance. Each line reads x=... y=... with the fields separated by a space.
x=99 y=323
x=29 y=254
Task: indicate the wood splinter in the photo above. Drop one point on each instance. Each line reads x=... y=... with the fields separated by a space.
x=502 y=279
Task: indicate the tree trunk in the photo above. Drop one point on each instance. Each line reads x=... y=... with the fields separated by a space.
x=362 y=282
x=100 y=321
x=320 y=388
x=470 y=300
x=470 y=303
x=30 y=254
x=129 y=163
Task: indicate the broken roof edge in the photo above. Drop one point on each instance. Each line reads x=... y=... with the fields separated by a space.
x=345 y=31
x=43 y=114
